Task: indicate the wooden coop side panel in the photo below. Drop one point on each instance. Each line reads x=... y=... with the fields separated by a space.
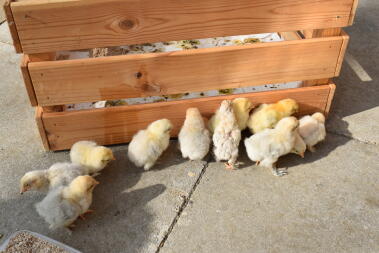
x=128 y=76
x=118 y=124
x=52 y=25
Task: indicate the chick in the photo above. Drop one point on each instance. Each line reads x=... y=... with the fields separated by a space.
x=300 y=147
x=267 y=146
x=59 y=174
x=227 y=135
x=91 y=156
x=267 y=115
x=194 y=138
x=63 y=205
x=312 y=129
x=148 y=145
x=241 y=109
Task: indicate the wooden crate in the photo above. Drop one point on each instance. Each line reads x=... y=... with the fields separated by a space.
x=41 y=27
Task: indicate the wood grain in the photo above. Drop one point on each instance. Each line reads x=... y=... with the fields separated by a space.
x=118 y=124
x=353 y=12
x=52 y=25
x=12 y=26
x=128 y=76
x=330 y=99
x=27 y=81
x=341 y=57
x=41 y=128
x=322 y=33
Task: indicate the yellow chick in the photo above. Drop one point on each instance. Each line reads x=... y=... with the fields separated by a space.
x=90 y=155
x=63 y=205
x=227 y=135
x=241 y=108
x=148 y=145
x=267 y=115
x=312 y=129
x=300 y=147
x=194 y=138
x=267 y=146
x=59 y=174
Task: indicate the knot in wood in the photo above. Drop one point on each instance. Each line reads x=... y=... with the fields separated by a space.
x=126 y=24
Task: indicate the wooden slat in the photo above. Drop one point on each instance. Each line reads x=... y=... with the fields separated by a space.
x=353 y=12
x=48 y=25
x=27 y=81
x=341 y=57
x=322 y=33
x=118 y=124
x=116 y=77
x=41 y=128
x=12 y=26
x=330 y=99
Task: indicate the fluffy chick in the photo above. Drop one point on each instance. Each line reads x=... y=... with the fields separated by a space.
x=241 y=108
x=91 y=156
x=63 y=205
x=267 y=146
x=300 y=147
x=194 y=138
x=312 y=129
x=227 y=135
x=148 y=145
x=59 y=174
x=268 y=115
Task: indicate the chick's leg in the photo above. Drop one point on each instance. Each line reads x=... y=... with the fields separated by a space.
x=86 y=212
x=312 y=149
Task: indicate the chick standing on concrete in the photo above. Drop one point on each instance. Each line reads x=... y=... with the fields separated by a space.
x=268 y=115
x=59 y=174
x=148 y=145
x=63 y=205
x=90 y=155
x=241 y=108
x=300 y=147
x=227 y=135
x=312 y=129
x=267 y=146
x=194 y=138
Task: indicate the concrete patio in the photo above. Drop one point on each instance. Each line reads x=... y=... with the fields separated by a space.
x=328 y=202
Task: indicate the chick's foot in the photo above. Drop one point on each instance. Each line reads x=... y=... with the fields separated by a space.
x=229 y=166
x=279 y=172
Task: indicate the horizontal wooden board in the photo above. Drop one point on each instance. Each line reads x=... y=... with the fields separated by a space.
x=52 y=25
x=128 y=76
x=118 y=124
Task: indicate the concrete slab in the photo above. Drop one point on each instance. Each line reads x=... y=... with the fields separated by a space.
x=5 y=36
x=134 y=209
x=355 y=110
x=328 y=203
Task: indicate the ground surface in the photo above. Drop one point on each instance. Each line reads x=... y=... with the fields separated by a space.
x=328 y=203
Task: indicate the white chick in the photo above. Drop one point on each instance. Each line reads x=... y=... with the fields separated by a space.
x=59 y=174
x=241 y=109
x=227 y=135
x=148 y=145
x=194 y=138
x=63 y=205
x=312 y=129
x=300 y=147
x=267 y=146
x=91 y=156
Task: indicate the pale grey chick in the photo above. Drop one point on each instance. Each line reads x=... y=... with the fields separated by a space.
x=312 y=129
x=227 y=135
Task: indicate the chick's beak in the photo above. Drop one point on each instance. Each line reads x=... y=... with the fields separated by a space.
x=22 y=190
x=302 y=155
x=96 y=182
x=113 y=158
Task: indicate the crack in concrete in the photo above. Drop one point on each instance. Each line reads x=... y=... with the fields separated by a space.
x=6 y=43
x=181 y=208
x=353 y=138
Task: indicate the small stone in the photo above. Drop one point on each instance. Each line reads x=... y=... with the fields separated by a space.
x=191 y=174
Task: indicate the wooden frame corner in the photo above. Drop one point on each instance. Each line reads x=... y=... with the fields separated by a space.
x=12 y=26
